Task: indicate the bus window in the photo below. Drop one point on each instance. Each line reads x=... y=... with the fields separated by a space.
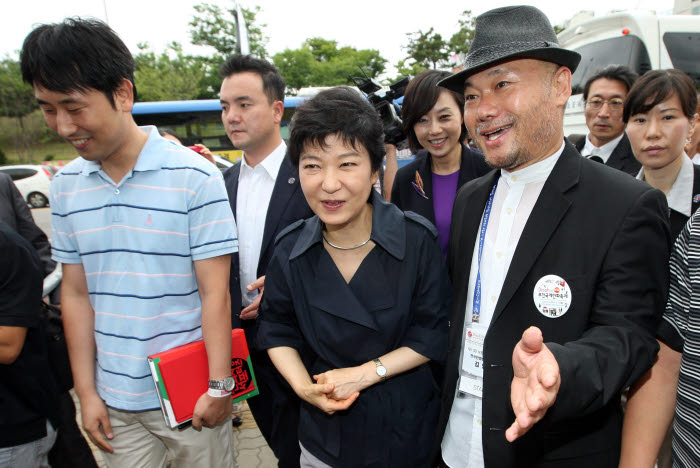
x=624 y=50
x=684 y=50
x=200 y=122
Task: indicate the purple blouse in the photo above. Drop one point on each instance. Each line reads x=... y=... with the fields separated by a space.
x=444 y=193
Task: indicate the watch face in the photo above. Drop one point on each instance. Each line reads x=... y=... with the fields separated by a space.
x=229 y=384
x=381 y=371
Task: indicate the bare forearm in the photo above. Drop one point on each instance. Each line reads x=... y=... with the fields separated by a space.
x=649 y=411
x=288 y=363
x=212 y=279
x=216 y=331
x=396 y=362
x=79 y=328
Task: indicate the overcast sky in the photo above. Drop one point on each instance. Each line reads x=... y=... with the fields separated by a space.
x=375 y=24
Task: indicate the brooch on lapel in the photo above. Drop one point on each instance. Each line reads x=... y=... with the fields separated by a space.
x=418 y=186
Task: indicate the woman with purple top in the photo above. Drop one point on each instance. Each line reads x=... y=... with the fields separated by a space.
x=433 y=121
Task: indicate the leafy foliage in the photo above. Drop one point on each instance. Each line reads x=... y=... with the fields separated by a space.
x=428 y=50
x=16 y=96
x=320 y=62
x=171 y=75
x=216 y=28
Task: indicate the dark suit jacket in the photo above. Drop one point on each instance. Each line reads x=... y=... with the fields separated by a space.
x=287 y=205
x=607 y=235
x=622 y=157
x=407 y=198
x=14 y=212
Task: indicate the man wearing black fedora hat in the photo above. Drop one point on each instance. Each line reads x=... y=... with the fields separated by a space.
x=558 y=267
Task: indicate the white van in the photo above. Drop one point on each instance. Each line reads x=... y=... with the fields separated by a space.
x=642 y=41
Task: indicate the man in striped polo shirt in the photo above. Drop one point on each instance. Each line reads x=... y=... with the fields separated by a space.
x=144 y=231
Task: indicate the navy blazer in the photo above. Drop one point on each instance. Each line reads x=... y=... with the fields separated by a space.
x=407 y=198
x=622 y=157
x=607 y=235
x=399 y=296
x=287 y=205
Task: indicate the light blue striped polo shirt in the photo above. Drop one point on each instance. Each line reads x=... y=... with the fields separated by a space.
x=137 y=242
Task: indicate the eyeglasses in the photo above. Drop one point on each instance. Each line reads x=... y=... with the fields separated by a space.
x=615 y=104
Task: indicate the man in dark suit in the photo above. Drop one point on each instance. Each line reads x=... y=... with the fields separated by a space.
x=605 y=94
x=557 y=265
x=265 y=198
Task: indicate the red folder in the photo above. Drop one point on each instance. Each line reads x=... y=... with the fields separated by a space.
x=181 y=376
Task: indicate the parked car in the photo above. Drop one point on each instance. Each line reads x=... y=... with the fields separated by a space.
x=32 y=182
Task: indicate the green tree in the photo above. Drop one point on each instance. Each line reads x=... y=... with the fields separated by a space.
x=461 y=41
x=427 y=49
x=214 y=27
x=16 y=101
x=171 y=75
x=320 y=62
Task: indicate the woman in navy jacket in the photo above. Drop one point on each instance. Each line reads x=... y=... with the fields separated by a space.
x=363 y=287
x=433 y=120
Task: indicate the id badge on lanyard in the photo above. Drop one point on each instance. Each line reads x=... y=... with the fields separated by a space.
x=473 y=354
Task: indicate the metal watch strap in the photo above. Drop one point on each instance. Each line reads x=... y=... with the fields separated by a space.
x=379 y=364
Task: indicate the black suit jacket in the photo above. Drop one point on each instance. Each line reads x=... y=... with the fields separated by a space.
x=622 y=157
x=607 y=235
x=287 y=205
x=407 y=198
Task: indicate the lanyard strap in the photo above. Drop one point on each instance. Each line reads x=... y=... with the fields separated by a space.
x=476 y=306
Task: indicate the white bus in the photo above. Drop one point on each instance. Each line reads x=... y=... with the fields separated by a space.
x=643 y=41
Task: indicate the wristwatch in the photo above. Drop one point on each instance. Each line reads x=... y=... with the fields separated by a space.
x=381 y=370
x=227 y=384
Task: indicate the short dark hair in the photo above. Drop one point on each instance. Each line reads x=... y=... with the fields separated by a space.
x=655 y=87
x=421 y=95
x=340 y=111
x=621 y=73
x=273 y=82
x=76 y=55
x=169 y=131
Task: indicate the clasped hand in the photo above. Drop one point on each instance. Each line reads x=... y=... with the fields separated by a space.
x=336 y=389
x=536 y=381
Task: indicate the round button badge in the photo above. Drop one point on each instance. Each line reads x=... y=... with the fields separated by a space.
x=552 y=296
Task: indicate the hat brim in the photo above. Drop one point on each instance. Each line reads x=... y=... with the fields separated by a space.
x=564 y=57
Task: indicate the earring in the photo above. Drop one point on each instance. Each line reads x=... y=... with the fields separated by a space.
x=687 y=141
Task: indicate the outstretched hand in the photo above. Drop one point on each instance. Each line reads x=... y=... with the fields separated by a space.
x=536 y=381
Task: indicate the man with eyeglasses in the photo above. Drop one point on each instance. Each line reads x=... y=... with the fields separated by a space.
x=604 y=94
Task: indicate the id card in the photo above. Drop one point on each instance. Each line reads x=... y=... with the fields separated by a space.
x=473 y=362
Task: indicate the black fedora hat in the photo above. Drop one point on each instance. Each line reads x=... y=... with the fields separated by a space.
x=509 y=33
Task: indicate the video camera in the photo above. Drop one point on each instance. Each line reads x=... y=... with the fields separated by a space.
x=388 y=111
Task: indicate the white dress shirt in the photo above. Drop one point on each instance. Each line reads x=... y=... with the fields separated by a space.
x=680 y=197
x=255 y=185
x=604 y=151
x=515 y=197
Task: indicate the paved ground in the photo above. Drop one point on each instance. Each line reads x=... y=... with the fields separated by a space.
x=250 y=448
